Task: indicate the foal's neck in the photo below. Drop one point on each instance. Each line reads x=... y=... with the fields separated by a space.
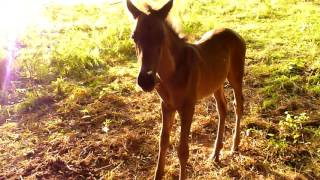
x=176 y=44
x=172 y=53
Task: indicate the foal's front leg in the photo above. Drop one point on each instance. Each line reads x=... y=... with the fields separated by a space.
x=167 y=121
x=186 y=114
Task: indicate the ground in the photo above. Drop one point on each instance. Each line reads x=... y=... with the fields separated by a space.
x=103 y=126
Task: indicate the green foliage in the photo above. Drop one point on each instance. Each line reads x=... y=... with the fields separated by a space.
x=83 y=41
x=86 y=41
x=314 y=89
x=74 y=54
x=313 y=79
x=268 y=104
x=61 y=87
x=77 y=97
x=278 y=145
x=291 y=127
x=81 y=12
x=27 y=104
x=34 y=100
x=34 y=61
x=123 y=80
x=291 y=132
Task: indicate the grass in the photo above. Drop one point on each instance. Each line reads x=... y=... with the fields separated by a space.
x=74 y=109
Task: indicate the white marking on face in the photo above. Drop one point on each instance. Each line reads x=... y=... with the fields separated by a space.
x=149 y=72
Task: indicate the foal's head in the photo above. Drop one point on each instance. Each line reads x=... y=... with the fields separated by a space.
x=148 y=36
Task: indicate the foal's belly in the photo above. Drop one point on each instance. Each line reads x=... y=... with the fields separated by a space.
x=212 y=77
x=207 y=88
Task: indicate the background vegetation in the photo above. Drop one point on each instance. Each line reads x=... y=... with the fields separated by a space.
x=73 y=109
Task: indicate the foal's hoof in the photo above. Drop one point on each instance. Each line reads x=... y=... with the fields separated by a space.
x=215 y=158
x=234 y=150
x=158 y=175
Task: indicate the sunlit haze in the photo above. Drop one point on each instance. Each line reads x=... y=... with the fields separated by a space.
x=17 y=15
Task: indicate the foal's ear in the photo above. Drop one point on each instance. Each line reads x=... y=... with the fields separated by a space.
x=133 y=10
x=164 y=11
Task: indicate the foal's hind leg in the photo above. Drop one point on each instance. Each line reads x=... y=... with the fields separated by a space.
x=222 y=111
x=235 y=77
x=236 y=83
x=238 y=109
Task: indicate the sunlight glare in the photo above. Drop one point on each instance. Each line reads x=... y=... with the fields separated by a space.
x=17 y=15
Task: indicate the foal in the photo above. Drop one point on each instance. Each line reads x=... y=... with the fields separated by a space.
x=184 y=73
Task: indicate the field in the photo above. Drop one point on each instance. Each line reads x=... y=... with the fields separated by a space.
x=73 y=110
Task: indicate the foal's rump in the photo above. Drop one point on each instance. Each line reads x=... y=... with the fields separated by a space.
x=222 y=57
x=223 y=41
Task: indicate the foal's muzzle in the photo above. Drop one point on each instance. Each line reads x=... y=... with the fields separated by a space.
x=147 y=81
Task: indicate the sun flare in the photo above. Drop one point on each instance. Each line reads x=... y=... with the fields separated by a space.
x=16 y=16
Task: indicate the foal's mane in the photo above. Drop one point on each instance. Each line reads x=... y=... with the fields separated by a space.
x=170 y=26
x=173 y=31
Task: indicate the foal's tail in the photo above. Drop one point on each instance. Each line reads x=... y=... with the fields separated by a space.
x=236 y=72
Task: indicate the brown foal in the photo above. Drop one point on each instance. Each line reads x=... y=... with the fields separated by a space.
x=184 y=73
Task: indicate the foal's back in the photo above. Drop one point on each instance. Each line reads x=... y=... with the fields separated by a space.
x=221 y=57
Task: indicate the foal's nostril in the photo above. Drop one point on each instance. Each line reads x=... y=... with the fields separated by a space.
x=146 y=81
